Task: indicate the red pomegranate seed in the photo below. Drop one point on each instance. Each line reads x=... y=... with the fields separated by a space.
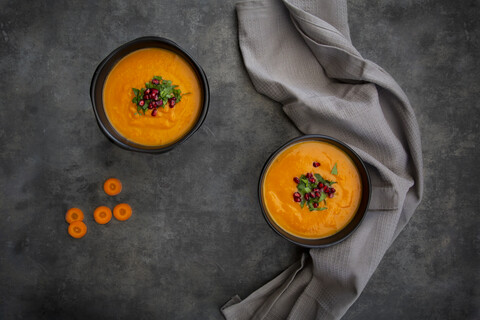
x=297 y=199
x=156 y=98
x=145 y=97
x=154 y=91
x=151 y=105
x=141 y=103
x=159 y=103
x=316 y=164
x=312 y=180
x=325 y=189
x=315 y=204
x=309 y=175
x=330 y=195
x=332 y=190
x=147 y=91
x=296 y=180
x=316 y=189
x=297 y=194
x=312 y=195
x=155 y=81
x=172 y=101
x=306 y=196
x=320 y=185
x=318 y=194
x=154 y=112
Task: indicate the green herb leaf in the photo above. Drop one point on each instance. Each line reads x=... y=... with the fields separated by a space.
x=320 y=179
x=326 y=182
x=301 y=187
x=334 y=170
x=319 y=209
x=310 y=205
x=323 y=196
x=135 y=91
x=302 y=203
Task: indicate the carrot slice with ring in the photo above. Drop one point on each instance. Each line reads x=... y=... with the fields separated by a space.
x=112 y=187
x=77 y=229
x=74 y=214
x=102 y=215
x=122 y=211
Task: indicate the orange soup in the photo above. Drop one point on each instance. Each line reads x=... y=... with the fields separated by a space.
x=133 y=71
x=282 y=183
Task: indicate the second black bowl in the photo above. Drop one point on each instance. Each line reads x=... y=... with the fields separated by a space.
x=351 y=226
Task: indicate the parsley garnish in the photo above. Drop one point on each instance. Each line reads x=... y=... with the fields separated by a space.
x=334 y=169
x=157 y=93
x=315 y=195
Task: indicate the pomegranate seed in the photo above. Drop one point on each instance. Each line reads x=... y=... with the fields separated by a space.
x=155 y=81
x=141 y=103
x=332 y=190
x=297 y=194
x=172 y=101
x=145 y=97
x=156 y=98
x=330 y=195
x=312 y=180
x=315 y=204
x=316 y=189
x=306 y=196
x=151 y=105
x=320 y=185
x=316 y=164
x=154 y=112
x=154 y=91
x=296 y=180
x=318 y=194
x=147 y=91
x=309 y=175
x=325 y=189
x=159 y=103
x=297 y=199
x=312 y=195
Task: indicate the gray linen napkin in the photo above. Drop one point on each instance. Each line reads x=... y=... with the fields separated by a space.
x=299 y=53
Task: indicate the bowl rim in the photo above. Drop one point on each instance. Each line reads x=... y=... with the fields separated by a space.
x=150 y=149
x=357 y=219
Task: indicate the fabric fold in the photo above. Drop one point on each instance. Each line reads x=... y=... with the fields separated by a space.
x=299 y=53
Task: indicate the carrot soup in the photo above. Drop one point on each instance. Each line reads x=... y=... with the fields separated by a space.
x=165 y=101
x=312 y=189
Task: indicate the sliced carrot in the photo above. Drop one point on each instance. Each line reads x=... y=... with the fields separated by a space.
x=102 y=215
x=112 y=187
x=74 y=214
x=77 y=229
x=122 y=211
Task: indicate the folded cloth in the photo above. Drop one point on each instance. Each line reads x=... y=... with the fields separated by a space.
x=299 y=53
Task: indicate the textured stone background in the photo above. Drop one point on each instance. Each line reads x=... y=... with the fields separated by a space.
x=182 y=255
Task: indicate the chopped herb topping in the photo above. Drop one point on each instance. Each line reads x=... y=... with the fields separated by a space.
x=157 y=93
x=312 y=190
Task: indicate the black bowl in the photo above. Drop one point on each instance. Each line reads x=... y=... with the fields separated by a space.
x=104 y=68
x=349 y=228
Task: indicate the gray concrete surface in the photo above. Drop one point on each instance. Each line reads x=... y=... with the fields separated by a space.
x=197 y=236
